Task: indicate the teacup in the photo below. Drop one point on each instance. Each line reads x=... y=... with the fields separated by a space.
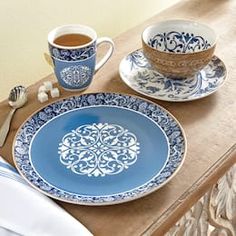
x=178 y=48
x=73 y=49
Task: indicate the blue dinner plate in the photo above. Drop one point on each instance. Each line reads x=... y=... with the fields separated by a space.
x=99 y=149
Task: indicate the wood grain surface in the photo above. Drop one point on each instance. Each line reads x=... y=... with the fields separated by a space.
x=209 y=124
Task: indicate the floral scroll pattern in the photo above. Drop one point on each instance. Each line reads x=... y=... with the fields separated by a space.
x=72 y=54
x=214 y=214
x=138 y=74
x=178 y=42
x=98 y=150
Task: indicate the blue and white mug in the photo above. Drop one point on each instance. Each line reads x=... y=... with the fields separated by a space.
x=74 y=66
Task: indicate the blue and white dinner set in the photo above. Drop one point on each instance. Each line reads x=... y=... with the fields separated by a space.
x=109 y=148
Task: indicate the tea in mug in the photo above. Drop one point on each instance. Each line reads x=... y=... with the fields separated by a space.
x=72 y=40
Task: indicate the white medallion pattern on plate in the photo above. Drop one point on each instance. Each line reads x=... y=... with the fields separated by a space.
x=98 y=149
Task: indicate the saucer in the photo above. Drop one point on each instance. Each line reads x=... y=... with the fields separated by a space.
x=139 y=75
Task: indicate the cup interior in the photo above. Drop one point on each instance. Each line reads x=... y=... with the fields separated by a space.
x=179 y=36
x=71 y=29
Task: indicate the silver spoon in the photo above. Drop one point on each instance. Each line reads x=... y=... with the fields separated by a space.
x=17 y=98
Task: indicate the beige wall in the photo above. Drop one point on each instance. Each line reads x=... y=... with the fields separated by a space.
x=25 y=24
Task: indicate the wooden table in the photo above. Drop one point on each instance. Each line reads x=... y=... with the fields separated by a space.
x=209 y=123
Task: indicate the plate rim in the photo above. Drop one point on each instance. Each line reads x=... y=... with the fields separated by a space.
x=140 y=195
x=169 y=99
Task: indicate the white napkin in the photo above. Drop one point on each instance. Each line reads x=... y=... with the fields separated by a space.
x=25 y=211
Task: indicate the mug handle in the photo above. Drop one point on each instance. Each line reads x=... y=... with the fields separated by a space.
x=107 y=55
